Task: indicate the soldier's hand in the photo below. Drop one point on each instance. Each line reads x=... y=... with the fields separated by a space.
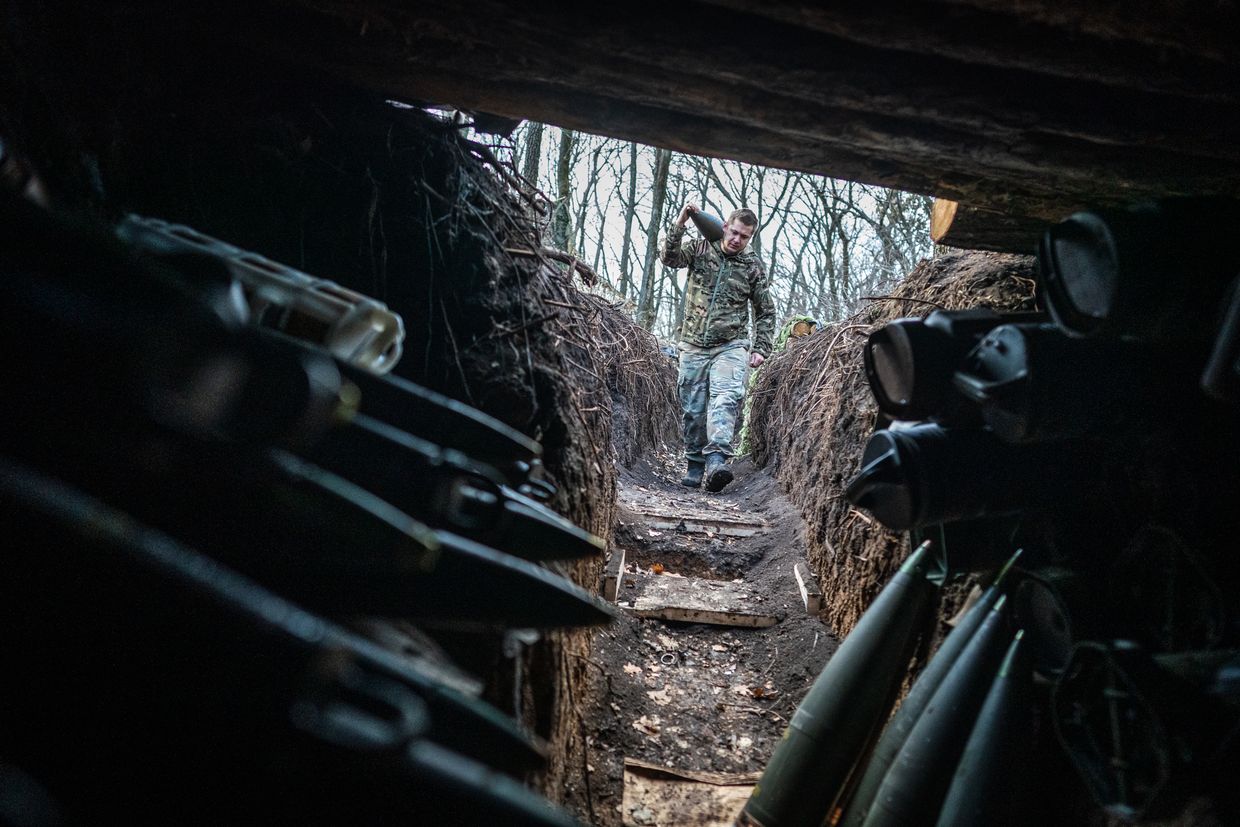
x=756 y=359
x=686 y=211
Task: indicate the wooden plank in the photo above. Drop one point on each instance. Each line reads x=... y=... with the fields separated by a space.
x=811 y=595
x=704 y=525
x=694 y=600
x=989 y=103
x=721 y=778
x=675 y=798
x=611 y=578
x=899 y=118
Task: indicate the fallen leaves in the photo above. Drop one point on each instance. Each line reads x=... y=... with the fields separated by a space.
x=766 y=690
x=659 y=696
x=647 y=725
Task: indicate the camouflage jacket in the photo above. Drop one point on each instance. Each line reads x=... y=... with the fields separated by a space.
x=720 y=290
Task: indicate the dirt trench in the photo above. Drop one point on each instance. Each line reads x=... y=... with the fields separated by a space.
x=705 y=701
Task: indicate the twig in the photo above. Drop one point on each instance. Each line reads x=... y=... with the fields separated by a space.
x=902 y=299
x=567 y=305
x=505 y=333
x=757 y=710
x=772 y=663
x=587 y=272
x=602 y=670
x=523 y=187
x=865 y=517
x=583 y=367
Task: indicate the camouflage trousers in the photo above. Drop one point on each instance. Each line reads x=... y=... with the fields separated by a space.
x=712 y=385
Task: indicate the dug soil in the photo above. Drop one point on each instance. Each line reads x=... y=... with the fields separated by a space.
x=692 y=696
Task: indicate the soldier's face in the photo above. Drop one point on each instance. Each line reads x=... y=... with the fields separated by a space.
x=736 y=236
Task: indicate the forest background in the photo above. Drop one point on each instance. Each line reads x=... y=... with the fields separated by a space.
x=826 y=244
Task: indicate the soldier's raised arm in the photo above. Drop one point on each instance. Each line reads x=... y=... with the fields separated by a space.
x=675 y=250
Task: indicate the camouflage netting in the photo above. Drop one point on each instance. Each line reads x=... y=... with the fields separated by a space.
x=813 y=413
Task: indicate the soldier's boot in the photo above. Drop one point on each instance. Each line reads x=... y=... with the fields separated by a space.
x=693 y=477
x=717 y=472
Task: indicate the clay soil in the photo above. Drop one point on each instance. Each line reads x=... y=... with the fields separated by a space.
x=695 y=696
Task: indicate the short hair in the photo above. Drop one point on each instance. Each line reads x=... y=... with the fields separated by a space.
x=744 y=215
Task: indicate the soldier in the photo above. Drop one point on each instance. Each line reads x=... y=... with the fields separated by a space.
x=715 y=353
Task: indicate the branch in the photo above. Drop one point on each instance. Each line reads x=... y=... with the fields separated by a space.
x=588 y=275
x=514 y=179
x=901 y=299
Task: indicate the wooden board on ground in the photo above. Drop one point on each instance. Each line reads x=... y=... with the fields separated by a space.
x=811 y=595
x=612 y=575
x=704 y=525
x=668 y=797
x=694 y=600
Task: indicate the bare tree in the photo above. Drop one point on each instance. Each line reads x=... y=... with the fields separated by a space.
x=645 y=304
x=561 y=221
x=824 y=243
x=626 y=279
x=533 y=152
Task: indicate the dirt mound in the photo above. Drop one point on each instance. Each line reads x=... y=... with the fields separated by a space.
x=813 y=412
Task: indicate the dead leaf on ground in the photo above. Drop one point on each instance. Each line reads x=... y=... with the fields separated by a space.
x=632 y=669
x=659 y=696
x=647 y=725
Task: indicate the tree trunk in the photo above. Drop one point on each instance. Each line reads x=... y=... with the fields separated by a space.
x=586 y=194
x=626 y=279
x=561 y=220
x=598 y=247
x=533 y=153
x=645 y=306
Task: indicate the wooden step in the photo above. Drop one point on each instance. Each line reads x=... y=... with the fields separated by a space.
x=694 y=600
x=668 y=797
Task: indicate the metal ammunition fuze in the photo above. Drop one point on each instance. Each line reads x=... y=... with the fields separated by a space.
x=205 y=470
x=1093 y=448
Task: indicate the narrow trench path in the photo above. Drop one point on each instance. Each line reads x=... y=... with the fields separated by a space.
x=707 y=690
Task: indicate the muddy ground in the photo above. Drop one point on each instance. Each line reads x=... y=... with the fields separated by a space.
x=696 y=696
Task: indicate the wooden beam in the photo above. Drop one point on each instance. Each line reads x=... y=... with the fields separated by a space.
x=703 y=525
x=1016 y=141
x=1167 y=48
x=1023 y=109
x=1168 y=24
x=673 y=798
x=694 y=600
x=956 y=225
x=811 y=595
x=612 y=575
